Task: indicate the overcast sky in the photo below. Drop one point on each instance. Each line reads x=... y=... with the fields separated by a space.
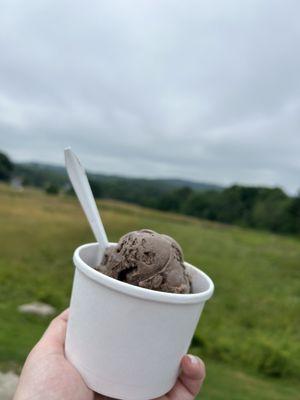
x=204 y=90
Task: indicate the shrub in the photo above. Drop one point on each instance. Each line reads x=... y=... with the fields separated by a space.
x=50 y=188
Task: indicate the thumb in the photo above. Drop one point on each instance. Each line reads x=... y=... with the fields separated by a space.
x=190 y=379
x=192 y=374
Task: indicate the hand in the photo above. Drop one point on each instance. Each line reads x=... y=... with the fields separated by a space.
x=48 y=375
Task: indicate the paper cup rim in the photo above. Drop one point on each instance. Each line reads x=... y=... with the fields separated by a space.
x=136 y=291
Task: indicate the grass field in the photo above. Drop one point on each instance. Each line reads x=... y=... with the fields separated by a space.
x=249 y=333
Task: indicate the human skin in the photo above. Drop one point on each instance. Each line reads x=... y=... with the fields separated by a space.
x=48 y=375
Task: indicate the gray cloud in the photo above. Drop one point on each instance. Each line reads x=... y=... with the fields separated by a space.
x=203 y=90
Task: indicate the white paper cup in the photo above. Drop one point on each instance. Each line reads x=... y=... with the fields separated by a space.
x=127 y=342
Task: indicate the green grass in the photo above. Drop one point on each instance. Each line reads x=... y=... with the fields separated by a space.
x=224 y=382
x=249 y=332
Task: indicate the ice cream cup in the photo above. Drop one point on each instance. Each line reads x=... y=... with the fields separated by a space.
x=127 y=342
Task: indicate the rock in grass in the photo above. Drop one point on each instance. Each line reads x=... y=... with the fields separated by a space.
x=37 y=308
x=8 y=385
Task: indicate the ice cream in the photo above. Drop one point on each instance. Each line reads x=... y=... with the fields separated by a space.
x=147 y=259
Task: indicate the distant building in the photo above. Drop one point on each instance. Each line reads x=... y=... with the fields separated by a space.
x=17 y=184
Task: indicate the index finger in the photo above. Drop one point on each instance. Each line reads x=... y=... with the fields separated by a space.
x=53 y=338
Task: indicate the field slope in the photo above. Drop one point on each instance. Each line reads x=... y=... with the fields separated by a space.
x=249 y=332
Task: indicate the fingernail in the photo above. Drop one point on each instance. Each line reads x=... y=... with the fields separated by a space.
x=193 y=359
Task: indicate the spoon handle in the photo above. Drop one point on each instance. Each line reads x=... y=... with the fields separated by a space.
x=84 y=193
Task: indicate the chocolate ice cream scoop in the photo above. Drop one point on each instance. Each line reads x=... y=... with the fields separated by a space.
x=147 y=259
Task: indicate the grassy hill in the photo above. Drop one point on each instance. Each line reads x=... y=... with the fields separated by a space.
x=249 y=332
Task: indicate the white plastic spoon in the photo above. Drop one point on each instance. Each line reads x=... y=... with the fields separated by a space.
x=85 y=196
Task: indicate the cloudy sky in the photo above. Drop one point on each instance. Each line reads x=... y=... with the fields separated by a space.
x=206 y=90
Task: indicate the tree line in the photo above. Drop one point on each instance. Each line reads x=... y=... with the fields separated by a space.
x=256 y=207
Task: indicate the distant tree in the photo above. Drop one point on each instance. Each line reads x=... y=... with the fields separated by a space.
x=294 y=212
x=50 y=188
x=6 y=167
x=174 y=199
x=271 y=211
x=202 y=204
x=232 y=205
x=96 y=188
